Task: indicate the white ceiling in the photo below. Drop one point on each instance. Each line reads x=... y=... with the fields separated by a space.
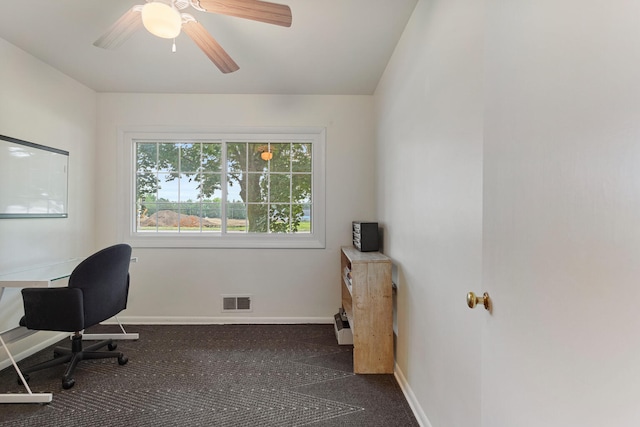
x=332 y=47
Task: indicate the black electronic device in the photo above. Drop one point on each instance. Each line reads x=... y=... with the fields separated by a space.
x=365 y=236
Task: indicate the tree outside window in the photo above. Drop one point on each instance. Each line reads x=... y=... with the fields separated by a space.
x=267 y=187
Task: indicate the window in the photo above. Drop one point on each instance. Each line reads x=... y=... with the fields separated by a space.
x=238 y=189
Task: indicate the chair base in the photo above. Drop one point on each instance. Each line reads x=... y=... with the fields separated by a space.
x=74 y=355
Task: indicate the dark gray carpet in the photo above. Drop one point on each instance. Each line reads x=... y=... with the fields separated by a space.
x=214 y=375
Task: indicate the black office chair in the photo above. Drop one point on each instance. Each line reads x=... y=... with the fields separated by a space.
x=98 y=290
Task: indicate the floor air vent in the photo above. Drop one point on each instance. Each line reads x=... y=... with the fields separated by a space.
x=236 y=303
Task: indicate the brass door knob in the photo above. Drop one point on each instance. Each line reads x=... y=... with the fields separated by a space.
x=473 y=300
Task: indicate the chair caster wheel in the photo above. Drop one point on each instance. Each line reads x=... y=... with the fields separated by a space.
x=112 y=346
x=26 y=378
x=122 y=359
x=67 y=384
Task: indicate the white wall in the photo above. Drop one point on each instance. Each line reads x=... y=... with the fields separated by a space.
x=561 y=213
x=542 y=169
x=184 y=285
x=557 y=203
x=41 y=105
x=429 y=185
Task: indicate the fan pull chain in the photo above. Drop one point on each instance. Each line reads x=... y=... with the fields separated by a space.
x=173 y=48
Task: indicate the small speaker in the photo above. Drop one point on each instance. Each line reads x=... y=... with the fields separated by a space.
x=365 y=236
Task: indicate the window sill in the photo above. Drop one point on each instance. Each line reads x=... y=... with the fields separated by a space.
x=231 y=242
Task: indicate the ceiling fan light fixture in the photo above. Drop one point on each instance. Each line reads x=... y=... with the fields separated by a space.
x=161 y=20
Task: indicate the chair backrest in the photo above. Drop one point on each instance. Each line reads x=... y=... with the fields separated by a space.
x=104 y=280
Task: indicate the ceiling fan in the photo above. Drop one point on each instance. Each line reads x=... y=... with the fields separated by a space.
x=164 y=18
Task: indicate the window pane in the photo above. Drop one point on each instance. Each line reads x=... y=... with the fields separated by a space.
x=168 y=157
x=167 y=188
x=190 y=157
x=234 y=191
x=189 y=189
x=211 y=216
x=280 y=219
x=301 y=214
x=236 y=156
x=190 y=218
x=257 y=187
x=280 y=188
x=301 y=188
x=301 y=157
x=258 y=218
x=236 y=217
x=237 y=225
x=146 y=157
x=256 y=163
x=281 y=161
x=166 y=217
x=209 y=185
x=144 y=208
x=146 y=186
x=145 y=221
x=236 y=210
x=212 y=157
x=193 y=209
x=211 y=209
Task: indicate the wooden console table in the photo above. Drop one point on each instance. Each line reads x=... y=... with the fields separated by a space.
x=368 y=301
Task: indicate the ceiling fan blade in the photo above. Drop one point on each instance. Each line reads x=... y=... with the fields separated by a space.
x=121 y=30
x=257 y=10
x=210 y=47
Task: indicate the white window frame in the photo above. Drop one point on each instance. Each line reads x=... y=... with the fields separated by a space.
x=126 y=176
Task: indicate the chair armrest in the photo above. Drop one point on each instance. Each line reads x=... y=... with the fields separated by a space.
x=53 y=309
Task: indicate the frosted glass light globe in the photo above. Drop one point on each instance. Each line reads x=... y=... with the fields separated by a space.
x=161 y=20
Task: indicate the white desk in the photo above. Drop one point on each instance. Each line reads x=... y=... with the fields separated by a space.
x=43 y=277
x=39 y=277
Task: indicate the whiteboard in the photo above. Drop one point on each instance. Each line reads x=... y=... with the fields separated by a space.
x=33 y=180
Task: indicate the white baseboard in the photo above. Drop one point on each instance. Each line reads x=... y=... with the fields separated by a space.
x=180 y=320
x=6 y=362
x=421 y=417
